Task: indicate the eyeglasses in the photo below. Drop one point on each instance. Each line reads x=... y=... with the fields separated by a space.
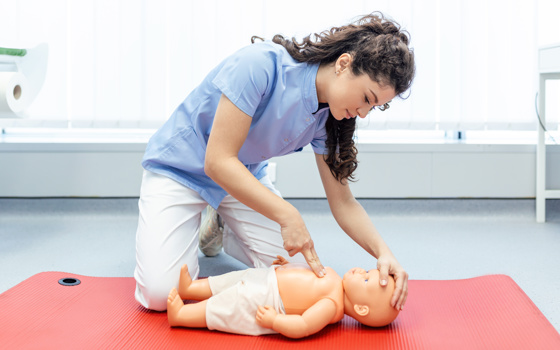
x=382 y=108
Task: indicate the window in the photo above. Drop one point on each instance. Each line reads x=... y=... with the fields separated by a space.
x=129 y=63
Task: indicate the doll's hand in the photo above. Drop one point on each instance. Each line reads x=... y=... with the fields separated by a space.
x=280 y=261
x=265 y=316
x=388 y=265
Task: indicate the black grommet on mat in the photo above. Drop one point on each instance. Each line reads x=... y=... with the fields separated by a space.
x=69 y=281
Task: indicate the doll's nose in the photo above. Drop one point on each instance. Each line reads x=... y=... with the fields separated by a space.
x=357 y=270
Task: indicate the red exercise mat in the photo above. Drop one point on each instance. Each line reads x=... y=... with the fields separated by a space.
x=489 y=312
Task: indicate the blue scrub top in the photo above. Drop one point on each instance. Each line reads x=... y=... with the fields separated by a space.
x=267 y=84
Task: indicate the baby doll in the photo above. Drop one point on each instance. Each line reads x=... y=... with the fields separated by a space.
x=286 y=298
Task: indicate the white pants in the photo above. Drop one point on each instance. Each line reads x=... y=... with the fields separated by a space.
x=167 y=236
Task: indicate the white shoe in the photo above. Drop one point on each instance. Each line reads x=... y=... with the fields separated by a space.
x=211 y=233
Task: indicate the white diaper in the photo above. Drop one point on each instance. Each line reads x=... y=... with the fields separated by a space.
x=236 y=296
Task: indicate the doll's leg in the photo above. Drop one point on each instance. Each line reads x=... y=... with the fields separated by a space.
x=193 y=290
x=189 y=315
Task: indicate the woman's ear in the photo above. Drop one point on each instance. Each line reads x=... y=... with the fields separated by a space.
x=362 y=310
x=343 y=62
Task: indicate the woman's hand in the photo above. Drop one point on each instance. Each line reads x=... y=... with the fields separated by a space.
x=387 y=265
x=297 y=240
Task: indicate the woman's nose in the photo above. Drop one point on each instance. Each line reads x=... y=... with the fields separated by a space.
x=362 y=112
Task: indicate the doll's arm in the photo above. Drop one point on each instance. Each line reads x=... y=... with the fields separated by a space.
x=280 y=260
x=298 y=326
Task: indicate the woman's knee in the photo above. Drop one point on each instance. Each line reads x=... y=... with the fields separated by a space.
x=153 y=287
x=152 y=294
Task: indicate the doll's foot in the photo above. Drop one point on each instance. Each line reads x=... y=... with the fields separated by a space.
x=174 y=305
x=185 y=281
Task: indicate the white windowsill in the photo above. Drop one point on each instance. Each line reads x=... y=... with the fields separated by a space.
x=43 y=139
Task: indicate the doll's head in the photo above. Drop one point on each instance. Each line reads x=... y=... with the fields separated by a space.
x=366 y=300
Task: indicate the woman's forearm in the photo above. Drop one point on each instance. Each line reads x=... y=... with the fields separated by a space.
x=234 y=178
x=354 y=220
x=229 y=132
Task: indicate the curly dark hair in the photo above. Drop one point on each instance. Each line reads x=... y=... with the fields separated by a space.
x=379 y=48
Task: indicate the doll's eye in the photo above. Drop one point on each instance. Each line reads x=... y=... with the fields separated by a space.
x=366 y=280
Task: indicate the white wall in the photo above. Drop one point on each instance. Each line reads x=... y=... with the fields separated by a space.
x=429 y=171
x=48 y=169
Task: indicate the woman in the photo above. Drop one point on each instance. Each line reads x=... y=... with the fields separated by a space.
x=268 y=99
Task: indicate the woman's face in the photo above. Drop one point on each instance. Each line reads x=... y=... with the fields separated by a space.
x=353 y=96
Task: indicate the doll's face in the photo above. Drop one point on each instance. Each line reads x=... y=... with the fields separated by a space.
x=361 y=286
x=362 y=289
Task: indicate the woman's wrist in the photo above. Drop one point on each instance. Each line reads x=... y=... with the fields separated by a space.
x=286 y=214
x=381 y=249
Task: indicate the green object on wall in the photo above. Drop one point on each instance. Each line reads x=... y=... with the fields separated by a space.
x=12 y=52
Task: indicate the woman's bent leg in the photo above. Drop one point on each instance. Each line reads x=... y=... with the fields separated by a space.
x=166 y=238
x=249 y=236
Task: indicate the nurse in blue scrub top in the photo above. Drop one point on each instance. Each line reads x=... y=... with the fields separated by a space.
x=268 y=99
